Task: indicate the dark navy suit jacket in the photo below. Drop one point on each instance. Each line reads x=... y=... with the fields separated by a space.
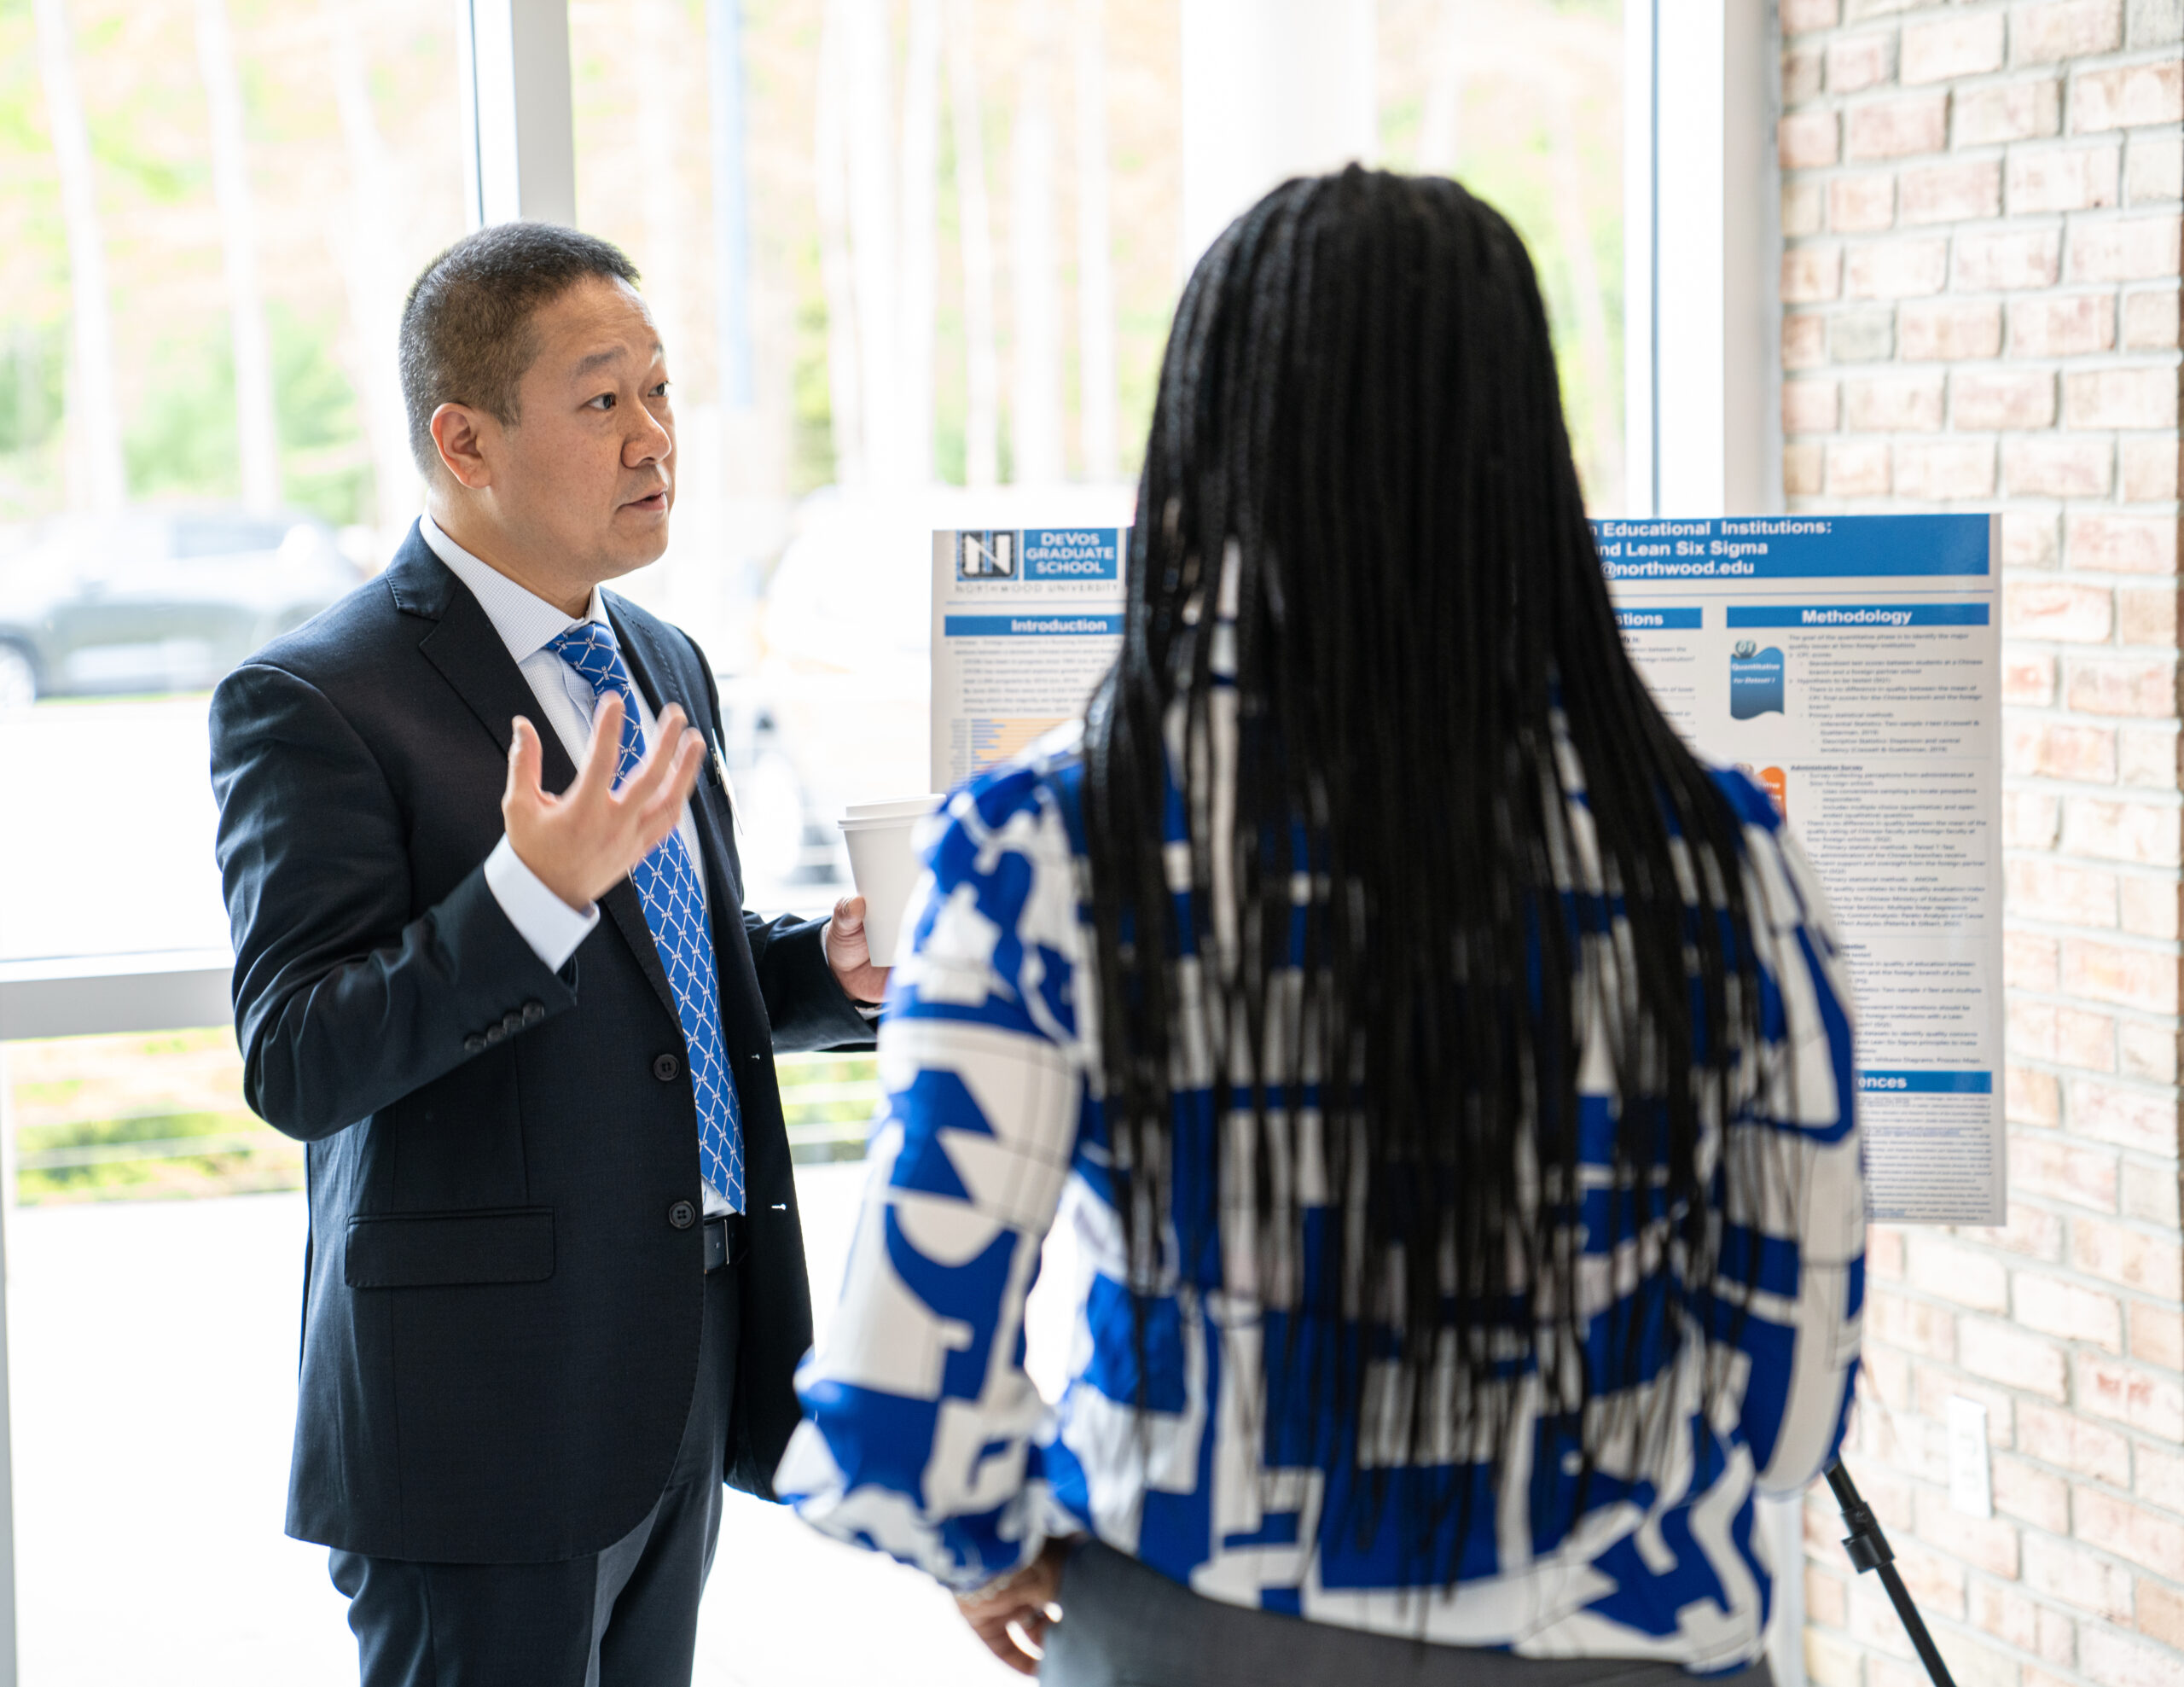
x=502 y=1290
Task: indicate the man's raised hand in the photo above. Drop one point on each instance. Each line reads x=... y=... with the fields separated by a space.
x=583 y=842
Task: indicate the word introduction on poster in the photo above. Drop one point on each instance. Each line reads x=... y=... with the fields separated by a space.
x=1024 y=622
x=1850 y=664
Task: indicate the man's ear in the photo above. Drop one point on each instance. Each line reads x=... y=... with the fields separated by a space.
x=459 y=433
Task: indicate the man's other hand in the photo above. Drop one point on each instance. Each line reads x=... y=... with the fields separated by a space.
x=583 y=842
x=849 y=953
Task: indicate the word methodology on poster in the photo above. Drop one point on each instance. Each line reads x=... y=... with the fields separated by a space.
x=1850 y=665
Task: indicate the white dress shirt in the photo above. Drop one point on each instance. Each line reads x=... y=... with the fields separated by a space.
x=527 y=624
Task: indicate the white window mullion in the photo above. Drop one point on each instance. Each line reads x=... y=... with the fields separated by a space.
x=518 y=121
x=1702 y=245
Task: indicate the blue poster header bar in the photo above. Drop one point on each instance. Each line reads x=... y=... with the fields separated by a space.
x=1643 y=620
x=1073 y=553
x=1794 y=547
x=1034 y=625
x=1927 y=1083
x=1822 y=616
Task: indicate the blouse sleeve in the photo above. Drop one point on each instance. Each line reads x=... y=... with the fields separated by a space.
x=1802 y=1203
x=921 y=1427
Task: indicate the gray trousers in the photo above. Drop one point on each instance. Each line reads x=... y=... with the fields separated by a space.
x=1124 y=1626
x=623 y=1617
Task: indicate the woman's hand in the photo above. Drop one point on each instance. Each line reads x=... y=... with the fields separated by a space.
x=1016 y=1613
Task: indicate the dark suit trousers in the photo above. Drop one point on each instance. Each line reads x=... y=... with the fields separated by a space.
x=625 y=1617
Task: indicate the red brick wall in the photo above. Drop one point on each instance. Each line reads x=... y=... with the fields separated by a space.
x=1980 y=209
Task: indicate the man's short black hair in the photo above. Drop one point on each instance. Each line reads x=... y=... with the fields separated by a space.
x=466 y=329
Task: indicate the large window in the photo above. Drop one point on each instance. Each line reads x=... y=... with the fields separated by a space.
x=913 y=259
x=1522 y=101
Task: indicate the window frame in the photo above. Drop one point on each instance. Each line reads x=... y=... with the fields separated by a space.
x=1702 y=258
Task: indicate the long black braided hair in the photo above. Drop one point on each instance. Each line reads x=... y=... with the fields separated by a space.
x=1358 y=410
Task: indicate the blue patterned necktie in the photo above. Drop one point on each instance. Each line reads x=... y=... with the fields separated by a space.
x=675 y=910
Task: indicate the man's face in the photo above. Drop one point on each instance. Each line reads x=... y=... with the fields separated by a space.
x=585 y=477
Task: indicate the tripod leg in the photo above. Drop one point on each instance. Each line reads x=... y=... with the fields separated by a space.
x=1869 y=1549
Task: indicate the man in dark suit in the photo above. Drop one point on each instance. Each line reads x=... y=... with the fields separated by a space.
x=554 y=1290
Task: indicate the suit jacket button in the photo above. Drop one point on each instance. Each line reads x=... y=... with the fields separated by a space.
x=665 y=1067
x=495 y=1033
x=511 y=1023
x=533 y=1012
x=682 y=1215
x=473 y=1044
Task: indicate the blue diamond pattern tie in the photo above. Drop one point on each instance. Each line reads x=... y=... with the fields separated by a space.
x=675 y=910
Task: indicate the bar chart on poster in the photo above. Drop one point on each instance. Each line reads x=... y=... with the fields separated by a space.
x=1851 y=667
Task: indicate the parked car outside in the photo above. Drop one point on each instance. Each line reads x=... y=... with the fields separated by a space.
x=156 y=599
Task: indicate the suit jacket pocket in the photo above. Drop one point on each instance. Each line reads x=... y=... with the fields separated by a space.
x=423 y=1250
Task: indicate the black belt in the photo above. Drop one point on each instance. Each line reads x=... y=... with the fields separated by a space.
x=724 y=1241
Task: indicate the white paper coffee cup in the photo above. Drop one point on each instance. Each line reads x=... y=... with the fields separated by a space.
x=884 y=863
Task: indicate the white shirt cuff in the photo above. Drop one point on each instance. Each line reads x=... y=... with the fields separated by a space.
x=541 y=919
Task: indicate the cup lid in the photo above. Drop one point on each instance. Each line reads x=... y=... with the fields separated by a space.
x=902 y=808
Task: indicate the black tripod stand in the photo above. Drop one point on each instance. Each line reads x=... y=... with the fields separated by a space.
x=1869 y=1550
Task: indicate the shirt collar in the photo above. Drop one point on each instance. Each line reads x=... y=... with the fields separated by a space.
x=526 y=621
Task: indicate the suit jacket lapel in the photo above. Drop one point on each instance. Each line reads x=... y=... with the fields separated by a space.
x=472 y=657
x=463 y=645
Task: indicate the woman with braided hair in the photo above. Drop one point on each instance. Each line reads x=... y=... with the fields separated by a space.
x=1450 y=1077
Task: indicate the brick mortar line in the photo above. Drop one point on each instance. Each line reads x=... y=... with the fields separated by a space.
x=2034 y=645
x=2001 y=222
x=2062 y=72
x=2112 y=360
x=2033 y=784
x=1926 y=1483
x=1989 y=1640
x=2148 y=1088
x=2049 y=1066
x=2079 y=1346
x=2138 y=1438
x=2060 y=1135
x=2161 y=1168
x=2076 y=1279
x=2033 y=925
x=2122 y=142
x=2131 y=357
x=2042 y=713
x=2081 y=363
x=2039 y=784
x=2121 y=791
x=1929 y=11
x=2005 y=503
x=2157 y=1021
x=1973 y=1235
x=1923 y=1483
x=2026 y=923
x=2070 y=1674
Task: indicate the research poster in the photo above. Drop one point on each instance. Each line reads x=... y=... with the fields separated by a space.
x=1851 y=665
x=1024 y=622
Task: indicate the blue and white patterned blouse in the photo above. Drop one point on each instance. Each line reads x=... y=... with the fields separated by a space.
x=925 y=1438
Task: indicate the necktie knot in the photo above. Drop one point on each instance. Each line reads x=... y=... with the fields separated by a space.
x=590 y=649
